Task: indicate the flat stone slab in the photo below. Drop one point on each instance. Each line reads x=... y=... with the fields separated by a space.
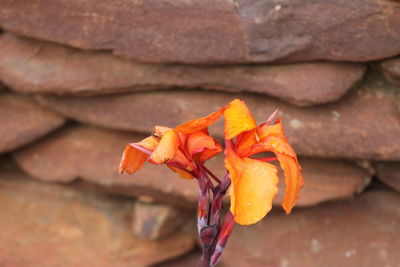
x=368 y=115
x=32 y=66
x=53 y=225
x=23 y=121
x=210 y=32
x=93 y=154
x=360 y=232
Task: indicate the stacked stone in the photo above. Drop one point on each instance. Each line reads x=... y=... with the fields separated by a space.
x=81 y=79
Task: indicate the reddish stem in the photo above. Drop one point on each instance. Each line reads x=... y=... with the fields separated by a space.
x=210 y=173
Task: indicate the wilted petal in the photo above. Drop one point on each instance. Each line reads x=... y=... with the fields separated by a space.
x=199 y=124
x=254 y=187
x=238 y=119
x=166 y=148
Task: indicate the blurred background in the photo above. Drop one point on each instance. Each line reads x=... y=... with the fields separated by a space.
x=80 y=79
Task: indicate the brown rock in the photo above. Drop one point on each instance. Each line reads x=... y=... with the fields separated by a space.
x=53 y=225
x=167 y=31
x=93 y=155
x=389 y=173
x=360 y=233
x=188 y=260
x=369 y=115
x=156 y=220
x=337 y=30
x=214 y=31
x=23 y=121
x=390 y=68
x=38 y=67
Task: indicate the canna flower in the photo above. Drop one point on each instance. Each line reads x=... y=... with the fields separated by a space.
x=181 y=148
x=254 y=181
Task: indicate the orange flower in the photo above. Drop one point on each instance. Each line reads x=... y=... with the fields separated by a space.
x=180 y=148
x=254 y=181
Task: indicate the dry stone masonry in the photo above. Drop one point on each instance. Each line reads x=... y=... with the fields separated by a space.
x=80 y=79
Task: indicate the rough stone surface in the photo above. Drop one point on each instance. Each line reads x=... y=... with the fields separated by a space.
x=391 y=69
x=53 y=225
x=156 y=220
x=360 y=233
x=214 y=31
x=389 y=173
x=188 y=260
x=23 y=121
x=369 y=115
x=32 y=66
x=93 y=155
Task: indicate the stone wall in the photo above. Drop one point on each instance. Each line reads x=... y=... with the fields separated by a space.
x=80 y=79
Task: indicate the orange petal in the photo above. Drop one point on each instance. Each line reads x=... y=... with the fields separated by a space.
x=201 y=123
x=288 y=162
x=293 y=180
x=133 y=159
x=182 y=160
x=274 y=144
x=245 y=141
x=254 y=187
x=202 y=144
x=238 y=119
x=266 y=130
x=150 y=143
x=161 y=130
x=182 y=173
x=166 y=148
x=209 y=153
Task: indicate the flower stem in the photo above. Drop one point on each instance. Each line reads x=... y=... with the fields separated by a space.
x=212 y=236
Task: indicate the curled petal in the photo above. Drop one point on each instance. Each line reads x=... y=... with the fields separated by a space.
x=293 y=180
x=254 y=186
x=266 y=130
x=166 y=148
x=203 y=145
x=133 y=158
x=274 y=144
x=238 y=119
x=199 y=124
x=289 y=163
